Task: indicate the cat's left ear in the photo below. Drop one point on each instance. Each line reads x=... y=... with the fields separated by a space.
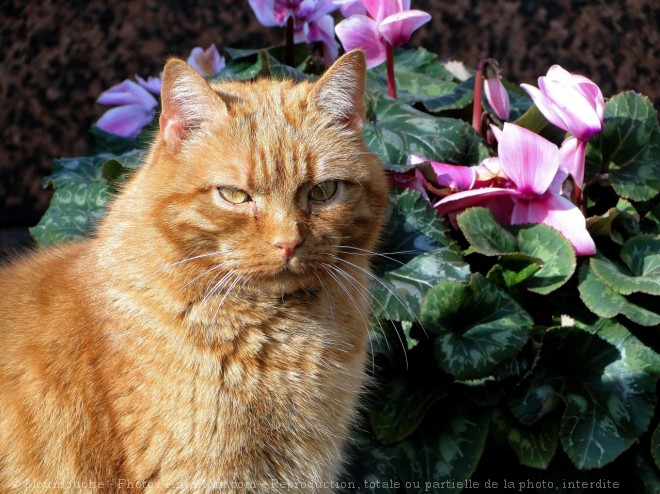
x=188 y=103
x=340 y=91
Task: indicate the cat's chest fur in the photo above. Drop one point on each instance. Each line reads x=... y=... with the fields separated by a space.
x=265 y=397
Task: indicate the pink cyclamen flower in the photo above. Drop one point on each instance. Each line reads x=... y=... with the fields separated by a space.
x=531 y=164
x=388 y=22
x=497 y=97
x=453 y=176
x=207 y=62
x=571 y=102
x=312 y=21
x=135 y=108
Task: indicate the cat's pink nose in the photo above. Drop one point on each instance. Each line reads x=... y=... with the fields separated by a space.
x=288 y=247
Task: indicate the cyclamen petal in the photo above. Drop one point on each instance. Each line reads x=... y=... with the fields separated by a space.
x=125 y=120
x=351 y=7
x=467 y=198
x=577 y=113
x=453 y=176
x=560 y=214
x=265 y=12
x=572 y=157
x=415 y=180
x=315 y=10
x=528 y=159
x=571 y=102
x=152 y=84
x=544 y=105
x=379 y=9
x=323 y=29
x=361 y=32
x=497 y=132
x=398 y=28
x=497 y=97
x=127 y=93
x=207 y=62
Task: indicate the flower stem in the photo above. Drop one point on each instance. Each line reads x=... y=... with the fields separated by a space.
x=476 y=103
x=391 y=83
x=288 y=54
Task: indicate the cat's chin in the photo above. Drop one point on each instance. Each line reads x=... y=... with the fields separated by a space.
x=290 y=279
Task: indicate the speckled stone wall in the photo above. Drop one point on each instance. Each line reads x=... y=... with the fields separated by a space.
x=57 y=56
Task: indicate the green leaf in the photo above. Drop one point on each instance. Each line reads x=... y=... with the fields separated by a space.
x=543 y=246
x=485 y=234
x=651 y=221
x=520 y=105
x=478 y=325
x=444 y=451
x=532 y=119
x=271 y=67
x=395 y=130
x=607 y=384
x=400 y=292
x=649 y=476
x=613 y=221
x=554 y=251
x=513 y=269
x=79 y=201
x=630 y=146
x=414 y=214
x=419 y=253
x=373 y=467
x=603 y=301
x=534 y=445
x=411 y=341
x=655 y=446
x=117 y=167
x=458 y=97
x=640 y=271
x=637 y=179
x=399 y=407
x=75 y=209
x=442 y=306
x=76 y=170
x=418 y=75
x=240 y=70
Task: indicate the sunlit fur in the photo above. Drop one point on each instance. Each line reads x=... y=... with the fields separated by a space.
x=180 y=350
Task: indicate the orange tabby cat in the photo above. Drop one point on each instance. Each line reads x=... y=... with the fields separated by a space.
x=211 y=337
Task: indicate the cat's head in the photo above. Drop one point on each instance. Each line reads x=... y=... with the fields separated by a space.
x=265 y=182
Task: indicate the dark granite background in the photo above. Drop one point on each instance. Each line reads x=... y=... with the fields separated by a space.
x=57 y=56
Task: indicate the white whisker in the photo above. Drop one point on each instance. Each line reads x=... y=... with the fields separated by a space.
x=383 y=284
x=361 y=313
x=355 y=282
x=214 y=268
x=188 y=259
x=229 y=290
x=218 y=286
x=325 y=290
x=363 y=252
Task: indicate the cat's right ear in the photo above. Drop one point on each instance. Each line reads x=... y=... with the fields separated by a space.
x=340 y=91
x=188 y=103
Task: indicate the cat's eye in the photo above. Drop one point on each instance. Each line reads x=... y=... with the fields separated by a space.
x=235 y=196
x=323 y=191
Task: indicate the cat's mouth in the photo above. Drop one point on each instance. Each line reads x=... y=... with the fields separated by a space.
x=292 y=276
